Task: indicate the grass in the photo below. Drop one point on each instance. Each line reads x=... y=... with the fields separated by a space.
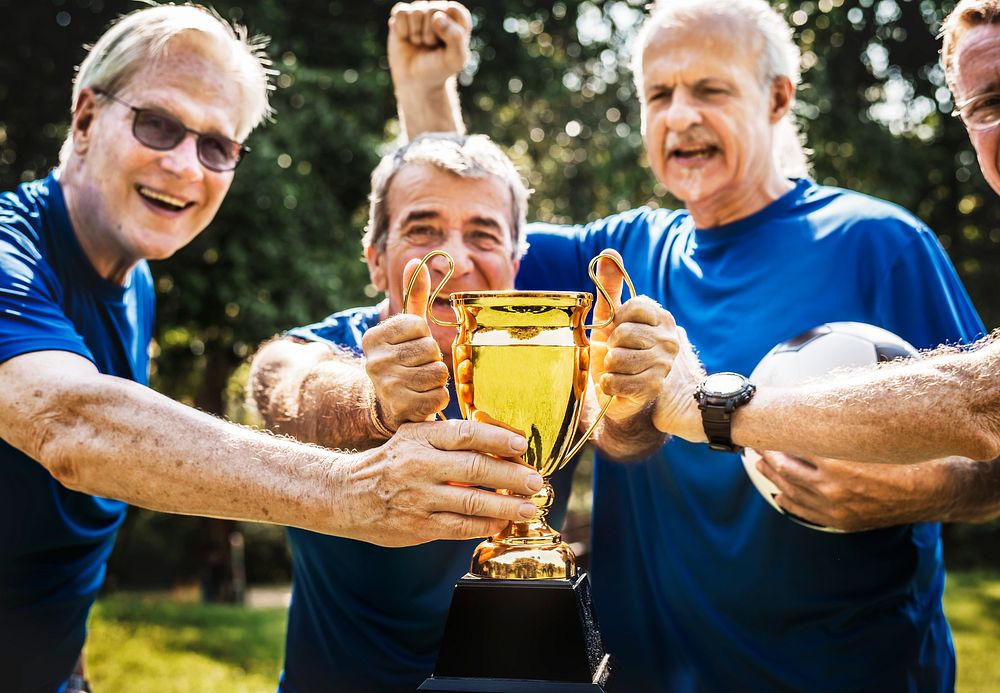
x=157 y=643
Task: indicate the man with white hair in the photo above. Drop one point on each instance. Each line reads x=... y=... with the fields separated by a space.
x=699 y=585
x=947 y=402
x=161 y=107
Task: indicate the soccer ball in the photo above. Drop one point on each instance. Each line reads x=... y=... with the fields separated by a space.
x=811 y=354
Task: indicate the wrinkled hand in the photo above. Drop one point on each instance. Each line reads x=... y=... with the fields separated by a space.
x=851 y=496
x=630 y=357
x=404 y=362
x=428 y=43
x=400 y=494
x=676 y=411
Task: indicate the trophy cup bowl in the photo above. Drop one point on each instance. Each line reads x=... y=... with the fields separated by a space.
x=521 y=359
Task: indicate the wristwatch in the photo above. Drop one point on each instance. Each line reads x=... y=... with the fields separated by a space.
x=718 y=395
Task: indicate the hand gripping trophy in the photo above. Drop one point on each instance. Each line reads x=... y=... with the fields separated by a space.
x=522 y=360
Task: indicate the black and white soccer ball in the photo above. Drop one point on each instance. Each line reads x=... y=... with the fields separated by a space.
x=815 y=353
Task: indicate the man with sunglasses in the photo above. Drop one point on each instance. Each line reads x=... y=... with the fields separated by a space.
x=79 y=428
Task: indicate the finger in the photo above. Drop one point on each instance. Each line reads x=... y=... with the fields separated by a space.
x=803 y=511
x=453 y=37
x=475 y=502
x=445 y=525
x=611 y=279
x=789 y=467
x=399 y=23
x=460 y=14
x=478 y=437
x=637 y=387
x=801 y=491
x=641 y=310
x=428 y=35
x=421 y=291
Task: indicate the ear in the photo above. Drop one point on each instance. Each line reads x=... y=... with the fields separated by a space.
x=376 y=268
x=782 y=95
x=82 y=127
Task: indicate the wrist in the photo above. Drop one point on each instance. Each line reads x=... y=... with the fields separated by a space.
x=376 y=417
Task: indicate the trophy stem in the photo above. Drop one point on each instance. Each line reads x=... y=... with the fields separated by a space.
x=529 y=550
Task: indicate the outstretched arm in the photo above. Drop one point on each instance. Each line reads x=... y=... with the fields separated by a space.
x=946 y=403
x=107 y=436
x=428 y=46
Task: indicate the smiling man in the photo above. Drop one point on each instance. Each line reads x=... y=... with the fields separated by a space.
x=698 y=585
x=364 y=618
x=161 y=107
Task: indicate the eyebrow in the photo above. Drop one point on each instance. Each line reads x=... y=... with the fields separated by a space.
x=419 y=215
x=485 y=221
x=429 y=214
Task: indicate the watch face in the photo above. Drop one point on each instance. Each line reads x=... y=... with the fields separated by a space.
x=723 y=384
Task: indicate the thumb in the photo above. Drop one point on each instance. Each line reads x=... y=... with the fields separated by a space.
x=612 y=280
x=421 y=292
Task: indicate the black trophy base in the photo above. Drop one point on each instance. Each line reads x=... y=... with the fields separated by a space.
x=521 y=636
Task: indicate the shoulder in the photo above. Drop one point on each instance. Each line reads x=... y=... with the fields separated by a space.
x=23 y=242
x=634 y=220
x=343 y=329
x=22 y=213
x=848 y=211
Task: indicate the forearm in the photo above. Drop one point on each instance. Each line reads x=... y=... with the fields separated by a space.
x=436 y=109
x=945 y=405
x=313 y=395
x=110 y=437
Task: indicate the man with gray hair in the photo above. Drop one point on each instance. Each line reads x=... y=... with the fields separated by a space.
x=698 y=585
x=370 y=618
x=161 y=107
x=367 y=618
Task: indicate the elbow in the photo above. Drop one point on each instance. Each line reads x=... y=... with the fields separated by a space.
x=265 y=369
x=53 y=441
x=982 y=442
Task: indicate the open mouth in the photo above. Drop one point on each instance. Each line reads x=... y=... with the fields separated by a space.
x=162 y=200
x=694 y=151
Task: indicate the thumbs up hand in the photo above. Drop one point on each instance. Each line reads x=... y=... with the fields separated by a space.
x=404 y=363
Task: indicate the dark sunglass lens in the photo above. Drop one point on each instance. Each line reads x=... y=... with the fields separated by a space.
x=218 y=153
x=157 y=130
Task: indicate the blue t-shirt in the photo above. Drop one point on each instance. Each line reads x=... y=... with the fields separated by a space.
x=366 y=618
x=54 y=541
x=698 y=584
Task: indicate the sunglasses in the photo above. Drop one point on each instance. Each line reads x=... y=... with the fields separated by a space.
x=163 y=132
x=980 y=112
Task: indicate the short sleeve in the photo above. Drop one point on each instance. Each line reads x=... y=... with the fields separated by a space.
x=31 y=313
x=922 y=298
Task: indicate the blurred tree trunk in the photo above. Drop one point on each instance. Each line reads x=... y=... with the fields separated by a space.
x=222 y=569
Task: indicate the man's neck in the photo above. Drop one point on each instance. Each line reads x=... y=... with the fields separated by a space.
x=750 y=200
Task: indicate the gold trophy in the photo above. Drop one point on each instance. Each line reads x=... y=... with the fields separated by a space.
x=521 y=359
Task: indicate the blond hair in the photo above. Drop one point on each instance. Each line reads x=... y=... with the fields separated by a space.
x=137 y=39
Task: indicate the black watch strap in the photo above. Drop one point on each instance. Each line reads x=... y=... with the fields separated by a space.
x=718 y=423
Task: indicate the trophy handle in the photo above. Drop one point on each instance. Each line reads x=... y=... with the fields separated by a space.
x=592 y=270
x=428 y=314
